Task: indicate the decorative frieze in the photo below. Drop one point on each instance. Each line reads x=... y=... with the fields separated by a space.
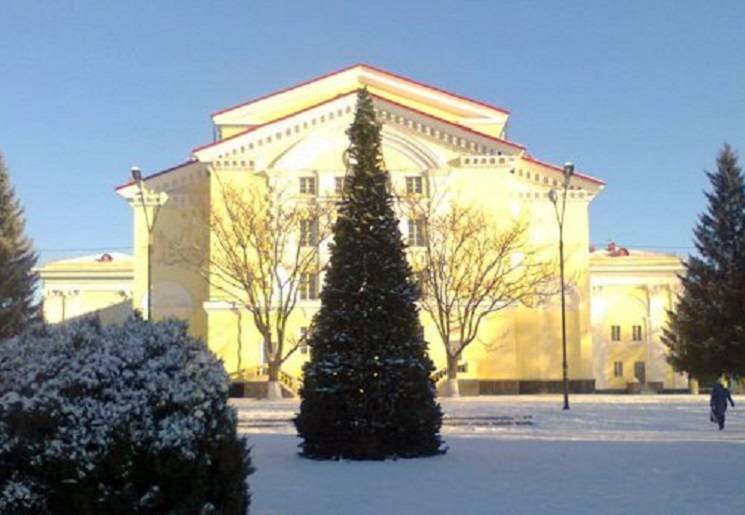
x=482 y=161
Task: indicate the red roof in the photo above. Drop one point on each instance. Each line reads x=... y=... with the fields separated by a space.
x=560 y=169
x=162 y=172
x=369 y=67
x=270 y=122
x=448 y=122
x=442 y=120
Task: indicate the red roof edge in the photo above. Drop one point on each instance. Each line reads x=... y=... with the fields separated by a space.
x=370 y=67
x=560 y=169
x=435 y=88
x=404 y=106
x=285 y=90
x=289 y=115
x=443 y=120
x=157 y=174
x=237 y=134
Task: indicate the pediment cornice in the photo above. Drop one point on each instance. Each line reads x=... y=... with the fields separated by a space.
x=244 y=149
x=407 y=128
x=460 y=107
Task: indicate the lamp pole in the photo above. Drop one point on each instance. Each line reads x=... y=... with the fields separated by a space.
x=568 y=172
x=137 y=178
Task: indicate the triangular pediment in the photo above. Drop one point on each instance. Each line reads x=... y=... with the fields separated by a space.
x=479 y=116
x=317 y=121
x=315 y=137
x=423 y=127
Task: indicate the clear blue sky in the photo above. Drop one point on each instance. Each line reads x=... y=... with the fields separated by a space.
x=639 y=93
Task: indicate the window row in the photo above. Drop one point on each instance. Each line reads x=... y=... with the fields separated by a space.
x=636 y=333
x=640 y=372
x=417 y=233
x=309 y=186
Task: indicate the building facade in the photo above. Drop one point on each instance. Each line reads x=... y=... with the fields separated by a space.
x=632 y=291
x=434 y=142
x=100 y=284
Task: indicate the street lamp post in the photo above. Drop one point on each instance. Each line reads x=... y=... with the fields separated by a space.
x=568 y=172
x=137 y=178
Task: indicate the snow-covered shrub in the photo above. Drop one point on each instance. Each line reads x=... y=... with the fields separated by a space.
x=129 y=419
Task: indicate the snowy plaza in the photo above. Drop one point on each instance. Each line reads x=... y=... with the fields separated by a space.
x=518 y=455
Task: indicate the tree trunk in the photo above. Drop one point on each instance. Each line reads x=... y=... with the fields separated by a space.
x=274 y=388
x=451 y=383
x=693 y=385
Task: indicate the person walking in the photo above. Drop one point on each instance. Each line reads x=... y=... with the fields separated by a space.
x=718 y=403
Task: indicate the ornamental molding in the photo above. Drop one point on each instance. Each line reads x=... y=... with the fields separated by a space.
x=243 y=150
x=220 y=305
x=62 y=292
x=148 y=198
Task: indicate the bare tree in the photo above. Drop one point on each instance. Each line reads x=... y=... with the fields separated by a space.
x=469 y=267
x=263 y=255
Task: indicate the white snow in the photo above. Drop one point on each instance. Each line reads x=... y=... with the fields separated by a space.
x=607 y=455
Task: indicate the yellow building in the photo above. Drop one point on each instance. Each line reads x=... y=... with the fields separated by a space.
x=632 y=290
x=100 y=284
x=294 y=139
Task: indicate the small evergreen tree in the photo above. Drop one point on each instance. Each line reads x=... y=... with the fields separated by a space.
x=118 y=420
x=367 y=391
x=706 y=330
x=17 y=261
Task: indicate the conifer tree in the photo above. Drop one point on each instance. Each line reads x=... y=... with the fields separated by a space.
x=367 y=391
x=706 y=330
x=17 y=261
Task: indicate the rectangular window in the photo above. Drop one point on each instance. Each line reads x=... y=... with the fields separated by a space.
x=308 y=233
x=414 y=185
x=308 y=185
x=340 y=185
x=615 y=333
x=618 y=369
x=417 y=233
x=308 y=286
x=636 y=331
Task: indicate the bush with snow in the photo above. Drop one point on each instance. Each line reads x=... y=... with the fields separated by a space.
x=129 y=419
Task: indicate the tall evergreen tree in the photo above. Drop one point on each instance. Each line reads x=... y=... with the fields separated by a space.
x=367 y=391
x=17 y=260
x=706 y=330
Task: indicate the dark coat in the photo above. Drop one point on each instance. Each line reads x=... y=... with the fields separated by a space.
x=719 y=397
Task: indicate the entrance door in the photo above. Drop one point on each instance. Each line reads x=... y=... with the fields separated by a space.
x=640 y=372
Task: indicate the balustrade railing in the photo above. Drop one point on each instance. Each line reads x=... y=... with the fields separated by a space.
x=289 y=381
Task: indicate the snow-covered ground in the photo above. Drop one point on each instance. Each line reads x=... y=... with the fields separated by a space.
x=607 y=455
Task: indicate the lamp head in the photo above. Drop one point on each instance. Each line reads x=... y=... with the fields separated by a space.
x=136 y=174
x=568 y=169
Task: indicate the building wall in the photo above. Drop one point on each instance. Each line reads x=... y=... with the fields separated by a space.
x=174 y=206
x=306 y=137
x=83 y=286
x=628 y=291
x=521 y=342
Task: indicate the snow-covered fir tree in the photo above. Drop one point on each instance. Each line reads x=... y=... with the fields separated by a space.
x=17 y=261
x=117 y=420
x=367 y=391
x=706 y=330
